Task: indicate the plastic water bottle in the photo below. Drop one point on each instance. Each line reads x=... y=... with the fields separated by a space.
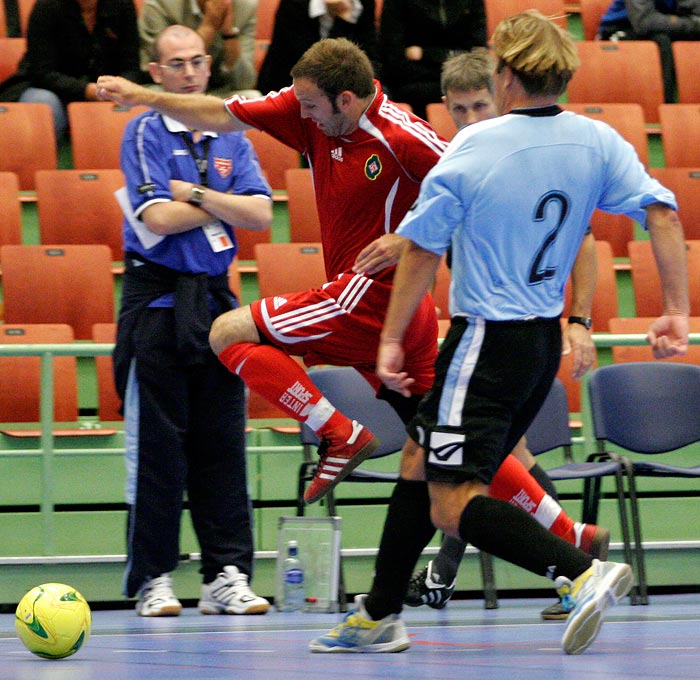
x=294 y=598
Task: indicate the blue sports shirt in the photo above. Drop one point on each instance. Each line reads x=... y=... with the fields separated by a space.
x=514 y=196
x=152 y=153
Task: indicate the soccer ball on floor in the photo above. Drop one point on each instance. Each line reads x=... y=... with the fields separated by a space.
x=53 y=620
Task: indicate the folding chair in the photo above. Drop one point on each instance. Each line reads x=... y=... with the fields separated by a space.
x=441 y=120
x=685 y=184
x=11 y=52
x=70 y=284
x=289 y=267
x=27 y=142
x=685 y=59
x=10 y=210
x=550 y=430
x=111 y=120
x=274 y=157
x=592 y=12
x=646 y=283
x=624 y=71
x=301 y=206
x=680 y=134
x=650 y=409
x=78 y=206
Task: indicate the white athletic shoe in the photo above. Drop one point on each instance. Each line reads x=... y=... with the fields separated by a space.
x=599 y=587
x=229 y=593
x=156 y=598
x=358 y=633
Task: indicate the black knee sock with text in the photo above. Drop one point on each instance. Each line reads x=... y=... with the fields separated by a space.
x=508 y=532
x=541 y=477
x=407 y=530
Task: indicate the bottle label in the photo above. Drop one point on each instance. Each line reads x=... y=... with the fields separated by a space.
x=295 y=576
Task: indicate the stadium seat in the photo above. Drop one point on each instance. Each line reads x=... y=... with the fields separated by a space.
x=27 y=142
x=274 y=157
x=685 y=59
x=25 y=8
x=84 y=118
x=304 y=225
x=440 y=120
x=680 y=134
x=627 y=71
x=640 y=325
x=496 y=10
x=71 y=284
x=647 y=285
x=11 y=52
x=592 y=12
x=267 y=9
x=78 y=206
x=108 y=400
x=685 y=184
x=289 y=267
x=10 y=210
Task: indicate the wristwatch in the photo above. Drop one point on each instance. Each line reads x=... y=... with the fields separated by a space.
x=196 y=196
x=585 y=321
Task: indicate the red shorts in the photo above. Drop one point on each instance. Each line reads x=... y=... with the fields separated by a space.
x=340 y=324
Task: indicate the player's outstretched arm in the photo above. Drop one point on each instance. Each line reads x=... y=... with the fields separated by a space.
x=200 y=112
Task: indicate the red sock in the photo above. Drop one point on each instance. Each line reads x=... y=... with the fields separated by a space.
x=277 y=377
x=513 y=483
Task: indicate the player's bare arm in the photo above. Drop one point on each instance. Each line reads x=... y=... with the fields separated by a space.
x=414 y=277
x=668 y=335
x=197 y=111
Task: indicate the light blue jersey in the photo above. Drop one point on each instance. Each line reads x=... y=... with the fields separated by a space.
x=514 y=196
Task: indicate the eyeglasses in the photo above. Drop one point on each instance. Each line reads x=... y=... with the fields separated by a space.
x=179 y=66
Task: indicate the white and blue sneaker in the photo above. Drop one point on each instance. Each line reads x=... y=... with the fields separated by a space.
x=358 y=633
x=599 y=587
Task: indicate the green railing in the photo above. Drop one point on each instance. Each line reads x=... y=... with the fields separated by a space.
x=47 y=353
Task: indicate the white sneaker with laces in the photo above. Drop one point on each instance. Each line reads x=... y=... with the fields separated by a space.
x=229 y=593
x=156 y=598
x=358 y=633
x=599 y=587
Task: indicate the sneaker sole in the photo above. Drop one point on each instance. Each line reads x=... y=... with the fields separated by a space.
x=554 y=613
x=214 y=609
x=360 y=457
x=382 y=648
x=583 y=628
x=172 y=610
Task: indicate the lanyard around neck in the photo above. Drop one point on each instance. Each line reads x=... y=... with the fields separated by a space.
x=202 y=161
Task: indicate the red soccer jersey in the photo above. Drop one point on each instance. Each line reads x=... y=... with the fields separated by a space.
x=365 y=182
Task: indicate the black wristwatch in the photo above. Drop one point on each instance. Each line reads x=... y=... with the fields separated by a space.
x=196 y=196
x=585 y=321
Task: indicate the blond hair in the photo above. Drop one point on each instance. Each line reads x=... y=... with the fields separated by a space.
x=542 y=55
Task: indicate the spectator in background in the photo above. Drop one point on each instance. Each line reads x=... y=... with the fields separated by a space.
x=416 y=36
x=662 y=21
x=69 y=43
x=227 y=28
x=301 y=23
x=184 y=413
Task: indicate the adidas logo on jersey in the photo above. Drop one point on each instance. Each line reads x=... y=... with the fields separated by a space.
x=279 y=301
x=337 y=154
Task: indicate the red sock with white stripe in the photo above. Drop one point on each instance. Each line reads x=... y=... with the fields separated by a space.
x=278 y=378
x=513 y=483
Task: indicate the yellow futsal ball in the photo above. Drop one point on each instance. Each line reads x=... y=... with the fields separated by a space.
x=53 y=620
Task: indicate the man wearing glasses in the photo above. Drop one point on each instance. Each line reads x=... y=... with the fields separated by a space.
x=184 y=412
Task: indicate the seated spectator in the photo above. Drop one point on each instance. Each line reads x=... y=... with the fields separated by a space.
x=300 y=23
x=69 y=43
x=416 y=36
x=227 y=28
x=662 y=21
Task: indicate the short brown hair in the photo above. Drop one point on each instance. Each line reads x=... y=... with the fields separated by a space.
x=541 y=55
x=336 y=65
x=468 y=71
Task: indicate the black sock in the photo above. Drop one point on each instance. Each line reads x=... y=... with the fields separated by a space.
x=541 y=477
x=448 y=559
x=407 y=530
x=508 y=532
